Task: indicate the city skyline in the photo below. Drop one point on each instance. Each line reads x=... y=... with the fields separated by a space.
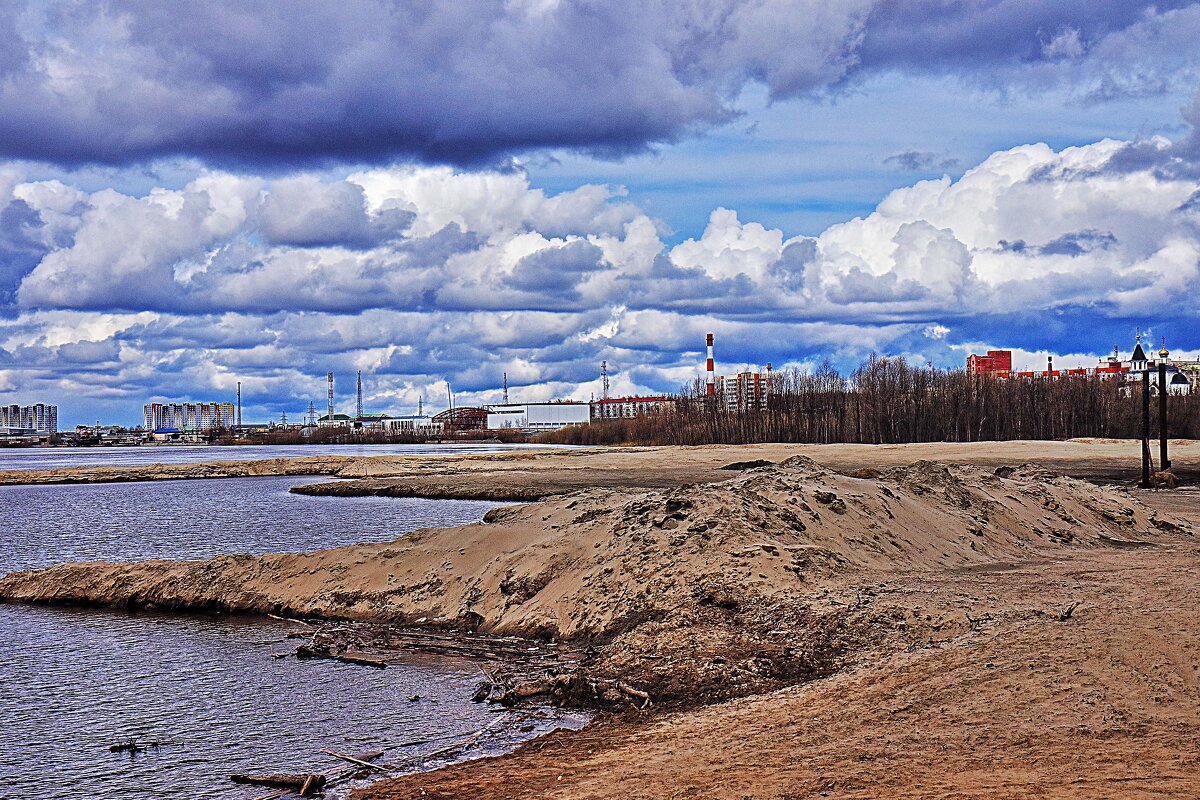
x=797 y=177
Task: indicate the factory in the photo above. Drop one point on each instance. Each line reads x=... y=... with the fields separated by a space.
x=745 y=390
x=538 y=417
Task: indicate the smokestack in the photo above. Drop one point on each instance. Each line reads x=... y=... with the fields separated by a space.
x=712 y=375
x=330 y=417
x=239 y=409
x=1049 y=366
x=768 y=377
x=505 y=388
x=358 y=407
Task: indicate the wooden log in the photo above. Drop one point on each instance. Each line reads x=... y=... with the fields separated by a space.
x=294 y=782
x=360 y=761
x=355 y=657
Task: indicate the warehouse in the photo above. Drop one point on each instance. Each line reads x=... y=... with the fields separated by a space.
x=536 y=417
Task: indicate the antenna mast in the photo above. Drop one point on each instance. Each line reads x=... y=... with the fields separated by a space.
x=604 y=380
x=358 y=408
x=330 y=417
x=239 y=414
x=505 y=388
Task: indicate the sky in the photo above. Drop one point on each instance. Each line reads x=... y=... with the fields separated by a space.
x=193 y=195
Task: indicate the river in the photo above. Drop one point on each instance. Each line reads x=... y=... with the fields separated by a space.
x=73 y=682
x=61 y=457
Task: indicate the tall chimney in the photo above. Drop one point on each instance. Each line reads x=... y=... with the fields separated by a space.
x=330 y=417
x=1049 y=366
x=768 y=377
x=239 y=409
x=712 y=375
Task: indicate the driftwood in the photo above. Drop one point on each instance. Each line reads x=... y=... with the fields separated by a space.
x=1066 y=612
x=306 y=785
x=355 y=657
x=133 y=747
x=362 y=762
x=626 y=689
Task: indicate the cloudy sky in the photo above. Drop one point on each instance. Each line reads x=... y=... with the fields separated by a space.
x=193 y=194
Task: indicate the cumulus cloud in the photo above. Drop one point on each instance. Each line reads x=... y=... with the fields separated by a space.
x=236 y=83
x=418 y=275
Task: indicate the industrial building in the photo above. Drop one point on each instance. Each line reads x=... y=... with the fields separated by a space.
x=188 y=416
x=996 y=362
x=33 y=420
x=415 y=425
x=537 y=417
x=745 y=390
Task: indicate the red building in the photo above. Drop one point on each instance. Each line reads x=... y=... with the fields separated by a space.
x=996 y=362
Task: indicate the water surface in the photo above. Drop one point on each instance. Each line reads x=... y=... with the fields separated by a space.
x=60 y=457
x=189 y=519
x=73 y=682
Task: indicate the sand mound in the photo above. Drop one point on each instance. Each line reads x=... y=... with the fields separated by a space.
x=716 y=571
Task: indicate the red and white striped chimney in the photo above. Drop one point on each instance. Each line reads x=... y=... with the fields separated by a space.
x=712 y=375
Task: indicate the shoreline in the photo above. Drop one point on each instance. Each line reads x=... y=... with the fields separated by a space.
x=533 y=474
x=773 y=596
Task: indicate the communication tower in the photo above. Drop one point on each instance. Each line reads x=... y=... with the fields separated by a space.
x=358 y=407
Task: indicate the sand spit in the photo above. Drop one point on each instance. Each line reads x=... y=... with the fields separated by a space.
x=309 y=465
x=533 y=474
x=696 y=593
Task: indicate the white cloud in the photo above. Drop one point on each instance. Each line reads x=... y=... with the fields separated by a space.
x=418 y=274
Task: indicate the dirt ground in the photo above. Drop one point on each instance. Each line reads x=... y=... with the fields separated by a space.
x=871 y=625
x=1105 y=704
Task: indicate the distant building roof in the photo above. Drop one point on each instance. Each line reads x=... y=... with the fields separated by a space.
x=334 y=418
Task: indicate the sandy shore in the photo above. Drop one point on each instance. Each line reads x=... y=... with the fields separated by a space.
x=859 y=627
x=534 y=474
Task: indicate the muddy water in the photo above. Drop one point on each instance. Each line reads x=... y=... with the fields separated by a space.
x=73 y=682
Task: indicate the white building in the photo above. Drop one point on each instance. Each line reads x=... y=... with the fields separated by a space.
x=630 y=407
x=536 y=417
x=416 y=425
x=187 y=416
x=38 y=418
x=747 y=389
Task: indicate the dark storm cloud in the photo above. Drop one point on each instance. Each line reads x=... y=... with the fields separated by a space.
x=473 y=81
x=948 y=35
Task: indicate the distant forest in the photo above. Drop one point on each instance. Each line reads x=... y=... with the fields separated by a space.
x=889 y=401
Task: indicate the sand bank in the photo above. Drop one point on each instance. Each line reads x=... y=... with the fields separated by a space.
x=874 y=631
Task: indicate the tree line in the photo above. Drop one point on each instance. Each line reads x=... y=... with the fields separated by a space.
x=889 y=401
